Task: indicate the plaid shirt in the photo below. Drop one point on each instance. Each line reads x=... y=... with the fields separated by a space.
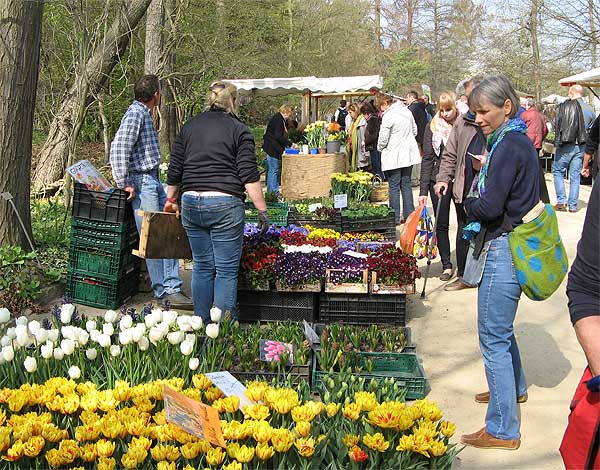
x=135 y=148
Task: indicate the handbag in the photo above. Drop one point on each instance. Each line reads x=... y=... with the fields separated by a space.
x=409 y=232
x=425 y=244
x=538 y=253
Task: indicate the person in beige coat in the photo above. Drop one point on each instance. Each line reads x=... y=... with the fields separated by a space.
x=399 y=152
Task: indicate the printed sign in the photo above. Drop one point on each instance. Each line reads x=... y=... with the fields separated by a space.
x=193 y=417
x=311 y=334
x=271 y=350
x=314 y=207
x=86 y=173
x=340 y=201
x=230 y=386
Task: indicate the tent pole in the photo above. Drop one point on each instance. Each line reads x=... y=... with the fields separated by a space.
x=592 y=90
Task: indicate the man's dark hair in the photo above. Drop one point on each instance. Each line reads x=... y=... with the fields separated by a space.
x=367 y=108
x=342 y=103
x=414 y=94
x=145 y=87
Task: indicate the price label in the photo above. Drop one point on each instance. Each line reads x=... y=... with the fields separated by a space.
x=340 y=201
x=314 y=207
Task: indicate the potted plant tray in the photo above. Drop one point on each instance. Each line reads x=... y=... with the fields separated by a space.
x=301 y=288
x=390 y=289
x=361 y=287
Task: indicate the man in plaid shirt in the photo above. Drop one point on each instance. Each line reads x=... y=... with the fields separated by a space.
x=134 y=158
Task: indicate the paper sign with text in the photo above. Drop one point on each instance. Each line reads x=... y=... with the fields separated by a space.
x=340 y=201
x=230 y=386
x=86 y=173
x=193 y=417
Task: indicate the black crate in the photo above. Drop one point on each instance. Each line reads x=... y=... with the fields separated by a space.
x=303 y=220
x=101 y=293
x=274 y=305
x=101 y=206
x=363 y=309
x=386 y=226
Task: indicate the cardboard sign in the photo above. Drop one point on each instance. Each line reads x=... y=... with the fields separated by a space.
x=311 y=335
x=271 y=350
x=193 y=417
x=230 y=386
x=340 y=201
x=85 y=173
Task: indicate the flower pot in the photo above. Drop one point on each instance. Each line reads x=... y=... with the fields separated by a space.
x=314 y=151
x=322 y=151
x=333 y=146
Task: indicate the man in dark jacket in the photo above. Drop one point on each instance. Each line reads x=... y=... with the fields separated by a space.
x=275 y=141
x=420 y=115
x=573 y=119
x=591 y=149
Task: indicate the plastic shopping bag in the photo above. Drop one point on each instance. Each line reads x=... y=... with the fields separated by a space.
x=409 y=232
x=425 y=243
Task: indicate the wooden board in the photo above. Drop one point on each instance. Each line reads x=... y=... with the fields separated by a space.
x=347 y=287
x=162 y=237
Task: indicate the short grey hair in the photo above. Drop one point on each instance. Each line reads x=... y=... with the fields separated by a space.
x=496 y=89
x=531 y=102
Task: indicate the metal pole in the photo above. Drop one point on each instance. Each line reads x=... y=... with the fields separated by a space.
x=8 y=197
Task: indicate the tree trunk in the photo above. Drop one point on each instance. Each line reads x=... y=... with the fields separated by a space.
x=378 y=23
x=104 y=119
x=154 y=44
x=593 y=36
x=290 y=36
x=99 y=66
x=535 y=49
x=19 y=64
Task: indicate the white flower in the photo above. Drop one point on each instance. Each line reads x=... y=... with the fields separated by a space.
x=23 y=339
x=104 y=340
x=66 y=312
x=190 y=337
x=41 y=335
x=194 y=363
x=21 y=330
x=82 y=337
x=95 y=336
x=164 y=166
x=4 y=315
x=68 y=346
x=115 y=350
x=143 y=343
x=151 y=320
x=30 y=364
x=47 y=350
x=158 y=313
x=110 y=316
x=212 y=330
x=169 y=316
x=155 y=334
x=186 y=348
x=126 y=322
x=196 y=322
x=53 y=335
x=215 y=314
x=22 y=320
x=175 y=337
x=8 y=353
x=74 y=372
x=184 y=323
x=5 y=341
x=68 y=332
x=58 y=354
x=108 y=329
x=34 y=326
x=11 y=333
x=91 y=325
x=125 y=337
x=137 y=332
x=91 y=353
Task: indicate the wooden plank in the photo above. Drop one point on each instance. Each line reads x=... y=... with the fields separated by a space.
x=162 y=237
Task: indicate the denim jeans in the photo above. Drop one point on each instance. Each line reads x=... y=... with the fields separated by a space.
x=273 y=174
x=376 y=163
x=150 y=196
x=569 y=157
x=498 y=298
x=399 y=181
x=215 y=229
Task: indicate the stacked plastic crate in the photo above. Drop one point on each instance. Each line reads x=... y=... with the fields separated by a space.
x=102 y=271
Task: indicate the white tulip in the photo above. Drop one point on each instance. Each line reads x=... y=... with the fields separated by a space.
x=158 y=313
x=212 y=330
x=68 y=332
x=143 y=343
x=183 y=322
x=126 y=322
x=108 y=329
x=125 y=337
x=66 y=313
x=21 y=330
x=104 y=340
x=194 y=363
x=30 y=364
x=186 y=348
x=115 y=350
x=23 y=339
x=155 y=334
x=34 y=326
x=91 y=353
x=169 y=317
x=190 y=337
x=91 y=325
x=110 y=316
x=175 y=337
x=4 y=315
x=137 y=332
x=53 y=335
x=215 y=314
x=151 y=320
x=47 y=350
x=58 y=354
x=196 y=322
x=82 y=337
x=11 y=333
x=22 y=320
x=163 y=328
x=41 y=335
x=95 y=336
x=74 y=372
x=8 y=353
x=68 y=346
x=5 y=341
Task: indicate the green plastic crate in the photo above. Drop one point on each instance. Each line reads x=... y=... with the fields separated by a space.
x=404 y=368
x=278 y=213
x=101 y=293
x=106 y=264
x=122 y=227
x=103 y=239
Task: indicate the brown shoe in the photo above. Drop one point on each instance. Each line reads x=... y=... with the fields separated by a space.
x=458 y=285
x=484 y=440
x=484 y=397
x=560 y=207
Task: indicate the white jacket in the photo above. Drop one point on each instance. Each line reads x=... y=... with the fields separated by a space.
x=396 y=141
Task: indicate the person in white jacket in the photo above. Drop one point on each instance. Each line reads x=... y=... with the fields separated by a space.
x=399 y=152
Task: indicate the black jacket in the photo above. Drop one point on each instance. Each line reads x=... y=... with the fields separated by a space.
x=430 y=165
x=213 y=152
x=276 y=139
x=418 y=111
x=591 y=146
x=570 y=124
x=372 y=132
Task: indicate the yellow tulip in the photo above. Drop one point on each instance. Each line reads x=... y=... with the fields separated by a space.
x=376 y=442
x=245 y=454
x=88 y=452
x=282 y=440
x=302 y=428
x=201 y=382
x=332 y=409
x=261 y=431
x=305 y=447
x=351 y=440
x=351 y=411
x=235 y=465
x=303 y=413
x=264 y=451
x=257 y=412
x=106 y=463
x=215 y=457
x=166 y=466
x=34 y=446
x=105 y=448
x=437 y=448
x=15 y=452
x=447 y=428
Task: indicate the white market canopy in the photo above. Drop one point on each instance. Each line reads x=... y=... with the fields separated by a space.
x=591 y=78
x=312 y=85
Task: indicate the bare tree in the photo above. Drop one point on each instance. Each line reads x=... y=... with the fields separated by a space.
x=108 y=44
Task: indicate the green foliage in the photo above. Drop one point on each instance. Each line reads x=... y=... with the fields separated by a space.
x=50 y=223
x=407 y=70
x=18 y=272
x=367 y=212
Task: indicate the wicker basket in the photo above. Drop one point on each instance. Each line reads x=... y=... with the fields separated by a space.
x=381 y=190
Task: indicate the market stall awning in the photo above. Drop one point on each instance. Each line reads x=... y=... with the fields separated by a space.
x=591 y=78
x=319 y=85
x=554 y=99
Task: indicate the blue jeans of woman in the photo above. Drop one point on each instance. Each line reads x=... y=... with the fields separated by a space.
x=376 y=163
x=273 y=174
x=150 y=196
x=215 y=229
x=399 y=181
x=497 y=302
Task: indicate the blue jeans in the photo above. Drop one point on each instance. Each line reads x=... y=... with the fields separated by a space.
x=376 y=163
x=497 y=302
x=273 y=174
x=569 y=157
x=399 y=181
x=150 y=196
x=215 y=229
